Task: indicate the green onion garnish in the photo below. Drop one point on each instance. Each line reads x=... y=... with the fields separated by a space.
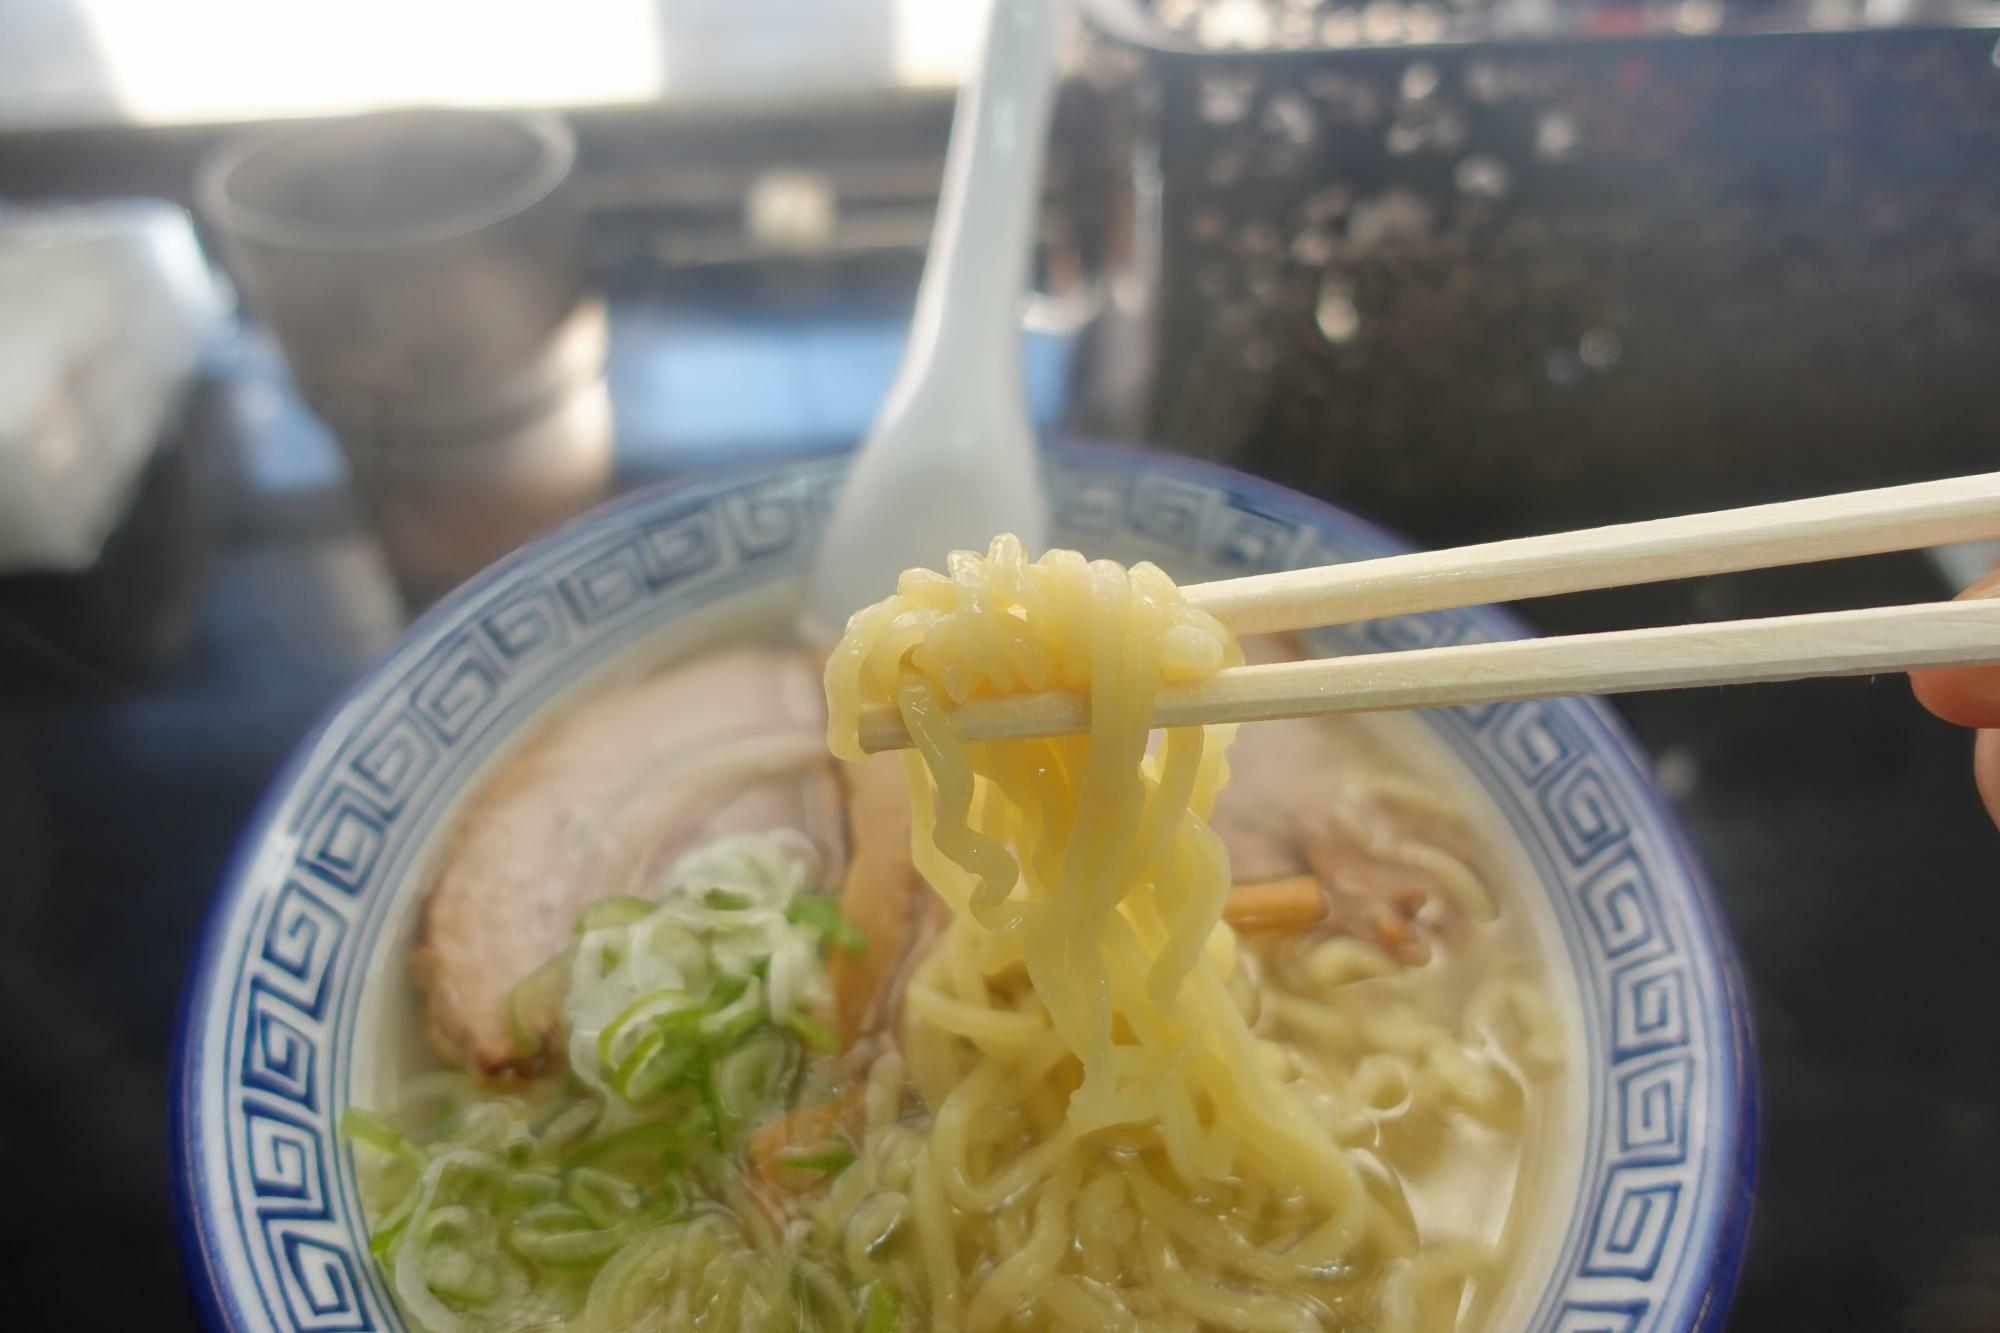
x=815 y=1035
x=507 y=1201
x=380 y=1133
x=832 y=1158
x=881 y=1310
x=654 y=1011
x=637 y=1153
x=748 y=1082
x=651 y=1066
x=730 y=1022
x=613 y=912
x=604 y=1198
x=561 y=1235
x=821 y=912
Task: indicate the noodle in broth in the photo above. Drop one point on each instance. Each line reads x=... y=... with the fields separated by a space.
x=1085 y=1100
x=1148 y=1121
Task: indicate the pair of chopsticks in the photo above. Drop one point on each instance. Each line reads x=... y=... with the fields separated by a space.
x=1838 y=643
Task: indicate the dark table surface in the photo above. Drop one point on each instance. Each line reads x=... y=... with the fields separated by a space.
x=1839 y=822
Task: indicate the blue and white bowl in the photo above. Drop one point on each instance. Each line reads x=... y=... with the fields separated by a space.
x=298 y=1003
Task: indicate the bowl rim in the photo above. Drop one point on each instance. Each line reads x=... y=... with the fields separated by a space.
x=1720 y=1252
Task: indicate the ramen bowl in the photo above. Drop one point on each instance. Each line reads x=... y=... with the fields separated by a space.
x=299 y=1002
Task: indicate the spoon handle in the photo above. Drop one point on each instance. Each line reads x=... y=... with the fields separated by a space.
x=951 y=459
x=969 y=303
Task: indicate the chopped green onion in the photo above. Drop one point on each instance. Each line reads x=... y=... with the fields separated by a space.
x=641 y=1153
x=526 y=1189
x=652 y=1066
x=433 y=1099
x=470 y=1175
x=667 y=1203
x=676 y=944
x=382 y=1240
x=831 y=1158
x=534 y=1006
x=727 y=988
x=453 y=1271
x=509 y=1204
x=699 y=1124
x=658 y=1009
x=821 y=912
x=881 y=1310
x=731 y=1022
x=604 y=1198
x=564 y=1249
x=449 y=1221
x=380 y=1133
x=815 y=1035
x=479 y=1125
x=749 y=1081
x=613 y=912
x=565 y=1121
x=562 y=1235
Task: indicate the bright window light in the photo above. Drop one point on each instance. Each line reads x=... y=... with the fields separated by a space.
x=935 y=40
x=224 y=60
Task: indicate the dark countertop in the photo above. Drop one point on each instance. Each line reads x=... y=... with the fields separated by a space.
x=1839 y=822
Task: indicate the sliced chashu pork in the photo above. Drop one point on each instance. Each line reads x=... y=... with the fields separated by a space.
x=882 y=895
x=733 y=742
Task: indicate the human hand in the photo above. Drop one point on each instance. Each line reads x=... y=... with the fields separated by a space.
x=1970 y=696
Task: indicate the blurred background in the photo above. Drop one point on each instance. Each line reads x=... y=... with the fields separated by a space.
x=273 y=377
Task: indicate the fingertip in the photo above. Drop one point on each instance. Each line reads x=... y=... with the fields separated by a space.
x=1986 y=768
x=1968 y=696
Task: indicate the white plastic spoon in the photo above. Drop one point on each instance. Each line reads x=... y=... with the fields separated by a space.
x=951 y=461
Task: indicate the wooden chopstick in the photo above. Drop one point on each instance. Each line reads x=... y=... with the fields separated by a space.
x=1895 y=518
x=1841 y=643
x=1837 y=643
